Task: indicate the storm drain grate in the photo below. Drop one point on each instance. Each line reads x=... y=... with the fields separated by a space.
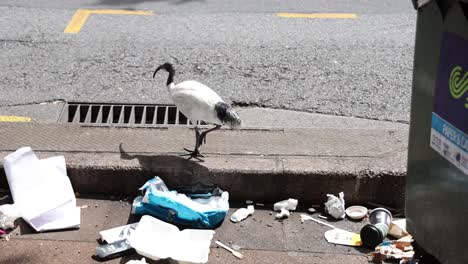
x=122 y=114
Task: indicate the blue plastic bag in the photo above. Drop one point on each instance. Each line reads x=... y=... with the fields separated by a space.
x=205 y=209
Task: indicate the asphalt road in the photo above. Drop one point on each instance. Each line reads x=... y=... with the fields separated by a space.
x=242 y=49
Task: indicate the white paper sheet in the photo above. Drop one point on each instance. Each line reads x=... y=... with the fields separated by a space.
x=42 y=190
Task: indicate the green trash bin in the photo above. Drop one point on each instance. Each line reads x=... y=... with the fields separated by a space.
x=437 y=181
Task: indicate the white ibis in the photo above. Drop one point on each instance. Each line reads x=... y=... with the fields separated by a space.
x=198 y=102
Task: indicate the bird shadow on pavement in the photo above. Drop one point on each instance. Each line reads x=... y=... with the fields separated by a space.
x=174 y=169
x=157 y=161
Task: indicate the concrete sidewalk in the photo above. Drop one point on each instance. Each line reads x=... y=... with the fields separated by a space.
x=261 y=238
x=261 y=164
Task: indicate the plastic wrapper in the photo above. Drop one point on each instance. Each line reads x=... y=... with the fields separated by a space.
x=205 y=208
x=335 y=206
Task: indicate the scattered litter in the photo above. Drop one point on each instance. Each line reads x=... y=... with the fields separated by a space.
x=312 y=210
x=380 y=215
x=117 y=233
x=114 y=250
x=343 y=237
x=177 y=208
x=8 y=214
x=289 y=205
x=323 y=217
x=374 y=233
x=242 y=213
x=356 y=212
x=400 y=249
x=282 y=214
x=84 y=206
x=397 y=228
x=335 y=206
x=305 y=217
x=236 y=247
x=284 y=207
x=41 y=190
x=156 y=240
x=141 y=261
x=237 y=254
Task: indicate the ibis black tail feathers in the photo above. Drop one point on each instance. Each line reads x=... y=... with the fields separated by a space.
x=169 y=68
x=227 y=115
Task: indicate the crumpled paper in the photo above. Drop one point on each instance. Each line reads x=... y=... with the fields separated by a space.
x=335 y=206
x=8 y=214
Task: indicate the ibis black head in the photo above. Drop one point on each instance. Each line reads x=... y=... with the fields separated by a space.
x=169 y=68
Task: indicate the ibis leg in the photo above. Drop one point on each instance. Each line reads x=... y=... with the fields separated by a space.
x=194 y=153
x=203 y=134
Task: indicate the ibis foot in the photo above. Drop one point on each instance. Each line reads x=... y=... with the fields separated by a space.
x=194 y=154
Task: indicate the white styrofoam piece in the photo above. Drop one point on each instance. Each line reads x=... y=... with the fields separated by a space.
x=156 y=239
x=242 y=213
x=289 y=204
x=41 y=190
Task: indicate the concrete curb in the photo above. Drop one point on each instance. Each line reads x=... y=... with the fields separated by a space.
x=377 y=178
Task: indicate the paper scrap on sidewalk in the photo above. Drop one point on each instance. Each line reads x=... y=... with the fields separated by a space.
x=118 y=233
x=41 y=190
x=156 y=240
x=343 y=237
x=282 y=214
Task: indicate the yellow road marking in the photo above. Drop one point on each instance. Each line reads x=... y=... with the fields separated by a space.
x=81 y=15
x=77 y=21
x=15 y=119
x=318 y=15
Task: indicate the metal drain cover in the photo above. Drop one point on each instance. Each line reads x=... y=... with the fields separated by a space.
x=108 y=114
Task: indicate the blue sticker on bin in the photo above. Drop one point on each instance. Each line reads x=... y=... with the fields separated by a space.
x=450 y=115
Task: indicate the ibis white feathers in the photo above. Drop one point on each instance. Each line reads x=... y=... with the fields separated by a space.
x=199 y=103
